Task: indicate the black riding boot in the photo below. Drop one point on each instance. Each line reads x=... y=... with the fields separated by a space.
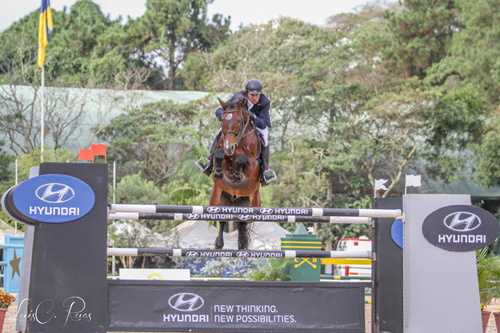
x=205 y=164
x=267 y=175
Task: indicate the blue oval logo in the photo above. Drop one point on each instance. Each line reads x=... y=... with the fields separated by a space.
x=54 y=198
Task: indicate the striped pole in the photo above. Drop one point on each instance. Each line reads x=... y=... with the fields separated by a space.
x=123 y=208
x=240 y=218
x=151 y=252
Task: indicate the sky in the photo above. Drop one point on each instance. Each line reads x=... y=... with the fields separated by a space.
x=241 y=12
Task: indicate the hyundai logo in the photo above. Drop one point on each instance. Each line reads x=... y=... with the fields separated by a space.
x=192 y=254
x=242 y=254
x=193 y=216
x=462 y=221
x=213 y=209
x=244 y=217
x=266 y=211
x=55 y=193
x=186 y=302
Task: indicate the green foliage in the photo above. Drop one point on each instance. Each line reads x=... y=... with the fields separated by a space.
x=170 y=30
x=5 y=165
x=455 y=124
x=32 y=159
x=153 y=139
x=271 y=270
x=488 y=275
x=6 y=178
x=475 y=44
x=129 y=234
x=421 y=36
x=88 y=49
x=487 y=156
x=133 y=189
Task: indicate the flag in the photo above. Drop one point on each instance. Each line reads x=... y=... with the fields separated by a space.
x=45 y=26
x=379 y=184
x=85 y=155
x=99 y=150
x=412 y=180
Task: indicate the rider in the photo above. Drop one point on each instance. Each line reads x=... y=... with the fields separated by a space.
x=257 y=107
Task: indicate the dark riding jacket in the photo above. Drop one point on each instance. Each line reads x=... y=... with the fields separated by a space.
x=261 y=110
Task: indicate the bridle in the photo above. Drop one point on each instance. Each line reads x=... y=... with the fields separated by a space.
x=241 y=132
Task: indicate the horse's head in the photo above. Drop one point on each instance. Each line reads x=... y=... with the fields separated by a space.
x=234 y=120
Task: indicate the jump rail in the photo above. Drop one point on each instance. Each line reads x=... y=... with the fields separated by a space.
x=240 y=217
x=132 y=208
x=150 y=252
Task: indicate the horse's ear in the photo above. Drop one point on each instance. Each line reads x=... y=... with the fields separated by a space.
x=222 y=103
x=241 y=104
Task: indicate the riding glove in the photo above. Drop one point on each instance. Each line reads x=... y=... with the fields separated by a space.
x=251 y=115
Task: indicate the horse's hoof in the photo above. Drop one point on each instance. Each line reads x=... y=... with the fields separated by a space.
x=219 y=244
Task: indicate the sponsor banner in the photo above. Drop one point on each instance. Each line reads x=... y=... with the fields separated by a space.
x=237 y=306
x=232 y=253
x=53 y=198
x=9 y=208
x=255 y=210
x=461 y=228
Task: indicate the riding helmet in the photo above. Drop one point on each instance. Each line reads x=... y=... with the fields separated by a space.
x=253 y=87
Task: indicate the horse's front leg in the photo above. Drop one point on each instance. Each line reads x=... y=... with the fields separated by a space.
x=219 y=241
x=219 y=157
x=241 y=160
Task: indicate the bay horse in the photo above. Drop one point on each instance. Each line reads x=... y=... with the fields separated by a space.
x=236 y=169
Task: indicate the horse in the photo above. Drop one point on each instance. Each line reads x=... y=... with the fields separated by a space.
x=236 y=173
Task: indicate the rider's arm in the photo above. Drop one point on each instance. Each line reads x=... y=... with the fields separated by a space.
x=263 y=120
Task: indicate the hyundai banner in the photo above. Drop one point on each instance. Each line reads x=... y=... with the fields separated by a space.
x=460 y=228
x=53 y=198
x=237 y=307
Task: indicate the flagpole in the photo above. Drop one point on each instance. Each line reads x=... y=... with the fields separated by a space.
x=42 y=124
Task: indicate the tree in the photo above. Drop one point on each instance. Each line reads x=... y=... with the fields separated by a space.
x=475 y=62
x=152 y=139
x=421 y=36
x=486 y=156
x=65 y=111
x=5 y=162
x=169 y=31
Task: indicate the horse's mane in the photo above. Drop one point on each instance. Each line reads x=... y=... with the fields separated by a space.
x=233 y=101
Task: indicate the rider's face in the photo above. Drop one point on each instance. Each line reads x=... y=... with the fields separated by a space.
x=254 y=98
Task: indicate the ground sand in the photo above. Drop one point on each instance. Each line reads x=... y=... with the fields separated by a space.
x=9 y=325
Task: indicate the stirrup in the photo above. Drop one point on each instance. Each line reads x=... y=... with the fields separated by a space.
x=268 y=176
x=204 y=165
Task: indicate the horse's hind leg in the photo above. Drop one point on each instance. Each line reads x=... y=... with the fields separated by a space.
x=243 y=235
x=219 y=241
x=241 y=160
